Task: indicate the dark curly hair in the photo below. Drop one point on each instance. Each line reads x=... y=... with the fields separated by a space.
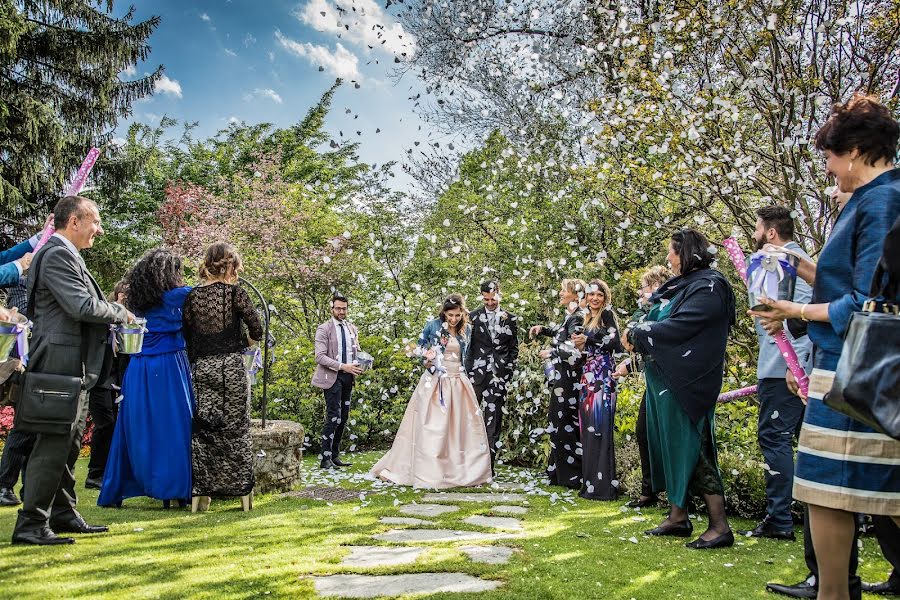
x=864 y=124
x=157 y=272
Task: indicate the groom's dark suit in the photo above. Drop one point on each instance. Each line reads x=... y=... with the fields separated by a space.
x=69 y=337
x=490 y=362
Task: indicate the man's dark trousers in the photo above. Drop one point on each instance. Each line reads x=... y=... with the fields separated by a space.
x=15 y=457
x=102 y=408
x=780 y=417
x=640 y=432
x=888 y=534
x=50 y=492
x=337 y=410
x=491 y=394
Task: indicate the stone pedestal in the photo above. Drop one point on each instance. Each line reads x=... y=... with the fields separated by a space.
x=277 y=455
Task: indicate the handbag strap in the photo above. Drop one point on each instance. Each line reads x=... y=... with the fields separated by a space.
x=886 y=279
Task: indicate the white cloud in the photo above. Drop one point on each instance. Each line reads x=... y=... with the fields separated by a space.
x=249 y=40
x=167 y=86
x=341 y=62
x=205 y=17
x=230 y=52
x=235 y=120
x=264 y=93
x=271 y=56
x=368 y=25
x=130 y=71
x=118 y=141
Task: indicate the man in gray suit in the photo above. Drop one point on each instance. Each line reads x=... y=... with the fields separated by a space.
x=336 y=370
x=69 y=337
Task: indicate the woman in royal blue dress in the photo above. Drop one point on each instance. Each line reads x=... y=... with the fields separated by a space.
x=151 y=448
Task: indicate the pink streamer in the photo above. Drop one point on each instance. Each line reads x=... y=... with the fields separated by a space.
x=784 y=345
x=735 y=394
x=75 y=186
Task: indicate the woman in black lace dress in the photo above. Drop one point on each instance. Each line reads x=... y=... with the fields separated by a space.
x=215 y=315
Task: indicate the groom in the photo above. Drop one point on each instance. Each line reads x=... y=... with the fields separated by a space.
x=491 y=359
x=336 y=370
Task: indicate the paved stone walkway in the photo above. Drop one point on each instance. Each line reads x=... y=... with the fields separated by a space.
x=399 y=553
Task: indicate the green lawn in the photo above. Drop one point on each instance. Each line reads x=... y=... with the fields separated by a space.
x=571 y=548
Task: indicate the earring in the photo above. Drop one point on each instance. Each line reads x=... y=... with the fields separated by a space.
x=850 y=168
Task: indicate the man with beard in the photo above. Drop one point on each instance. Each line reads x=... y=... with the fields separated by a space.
x=780 y=411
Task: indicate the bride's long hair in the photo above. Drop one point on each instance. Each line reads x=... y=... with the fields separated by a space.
x=452 y=302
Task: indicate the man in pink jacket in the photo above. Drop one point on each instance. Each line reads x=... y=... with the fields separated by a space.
x=336 y=370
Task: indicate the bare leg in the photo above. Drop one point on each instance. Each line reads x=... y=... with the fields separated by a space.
x=832 y=535
x=718 y=522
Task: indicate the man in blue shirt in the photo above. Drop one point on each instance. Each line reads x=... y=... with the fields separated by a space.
x=780 y=411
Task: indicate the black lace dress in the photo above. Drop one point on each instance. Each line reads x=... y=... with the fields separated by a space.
x=217 y=319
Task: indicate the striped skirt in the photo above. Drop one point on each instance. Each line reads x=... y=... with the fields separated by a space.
x=842 y=463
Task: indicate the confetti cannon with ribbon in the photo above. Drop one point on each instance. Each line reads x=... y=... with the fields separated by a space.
x=781 y=340
x=771 y=275
x=73 y=189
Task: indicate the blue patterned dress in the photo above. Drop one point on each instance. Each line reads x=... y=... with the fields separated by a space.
x=842 y=463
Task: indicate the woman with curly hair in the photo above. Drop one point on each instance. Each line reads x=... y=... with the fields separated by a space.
x=151 y=447
x=218 y=315
x=442 y=441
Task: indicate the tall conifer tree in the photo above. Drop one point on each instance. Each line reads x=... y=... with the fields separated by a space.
x=62 y=90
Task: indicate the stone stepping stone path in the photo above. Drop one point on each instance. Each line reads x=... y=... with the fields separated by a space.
x=495 y=522
x=509 y=510
x=473 y=497
x=404 y=521
x=404 y=552
x=438 y=535
x=381 y=556
x=427 y=510
x=372 y=586
x=491 y=555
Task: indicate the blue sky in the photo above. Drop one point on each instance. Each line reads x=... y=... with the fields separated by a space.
x=271 y=60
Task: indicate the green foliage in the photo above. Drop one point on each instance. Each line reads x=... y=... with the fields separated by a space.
x=60 y=92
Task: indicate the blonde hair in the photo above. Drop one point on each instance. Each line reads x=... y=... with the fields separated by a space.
x=656 y=276
x=594 y=320
x=575 y=286
x=220 y=260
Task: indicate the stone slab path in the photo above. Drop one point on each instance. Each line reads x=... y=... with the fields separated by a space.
x=509 y=510
x=402 y=550
x=381 y=556
x=495 y=522
x=491 y=555
x=372 y=586
x=438 y=535
x=427 y=510
x=473 y=497
x=404 y=521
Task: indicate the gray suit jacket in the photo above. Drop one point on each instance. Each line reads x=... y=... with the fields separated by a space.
x=327 y=359
x=71 y=317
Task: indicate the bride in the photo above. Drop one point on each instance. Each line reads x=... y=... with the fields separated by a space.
x=442 y=441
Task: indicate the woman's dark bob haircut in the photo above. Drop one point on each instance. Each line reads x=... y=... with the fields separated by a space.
x=863 y=124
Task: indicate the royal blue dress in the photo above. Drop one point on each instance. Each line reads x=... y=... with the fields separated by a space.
x=151 y=448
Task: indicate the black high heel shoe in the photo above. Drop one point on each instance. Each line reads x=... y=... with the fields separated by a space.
x=682 y=529
x=723 y=541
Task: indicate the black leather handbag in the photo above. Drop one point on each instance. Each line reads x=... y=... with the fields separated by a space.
x=867 y=379
x=47 y=403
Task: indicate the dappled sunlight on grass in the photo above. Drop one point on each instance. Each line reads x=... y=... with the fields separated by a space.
x=569 y=548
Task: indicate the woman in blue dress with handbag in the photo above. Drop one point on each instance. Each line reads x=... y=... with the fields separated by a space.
x=844 y=466
x=151 y=448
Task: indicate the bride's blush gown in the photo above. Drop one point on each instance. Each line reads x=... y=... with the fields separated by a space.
x=442 y=441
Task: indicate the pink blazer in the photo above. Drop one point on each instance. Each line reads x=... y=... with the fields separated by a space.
x=327 y=359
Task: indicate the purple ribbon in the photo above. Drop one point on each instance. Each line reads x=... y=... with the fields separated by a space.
x=257 y=363
x=763 y=278
x=21 y=331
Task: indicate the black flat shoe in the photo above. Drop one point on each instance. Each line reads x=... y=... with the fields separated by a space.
x=341 y=463
x=327 y=464
x=804 y=589
x=78 y=525
x=765 y=530
x=683 y=529
x=93 y=484
x=885 y=588
x=8 y=497
x=644 y=502
x=41 y=537
x=723 y=541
